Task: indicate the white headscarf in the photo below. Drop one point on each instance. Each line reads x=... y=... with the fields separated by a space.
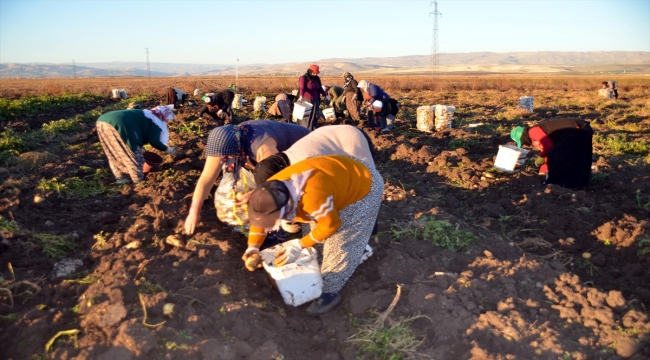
x=364 y=85
x=160 y=115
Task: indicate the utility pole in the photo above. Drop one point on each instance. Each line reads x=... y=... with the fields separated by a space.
x=435 y=62
x=148 y=66
x=74 y=69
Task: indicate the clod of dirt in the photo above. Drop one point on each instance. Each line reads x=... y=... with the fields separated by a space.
x=66 y=267
x=134 y=244
x=114 y=314
x=175 y=241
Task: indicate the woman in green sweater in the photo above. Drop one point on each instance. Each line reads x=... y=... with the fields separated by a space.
x=123 y=133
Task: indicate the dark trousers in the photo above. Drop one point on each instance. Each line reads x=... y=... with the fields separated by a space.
x=312 y=122
x=227 y=114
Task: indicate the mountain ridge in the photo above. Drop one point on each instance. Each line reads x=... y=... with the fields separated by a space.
x=475 y=62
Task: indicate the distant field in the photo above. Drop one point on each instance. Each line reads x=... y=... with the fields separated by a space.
x=271 y=85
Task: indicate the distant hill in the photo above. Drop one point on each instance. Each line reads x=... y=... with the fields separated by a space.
x=478 y=62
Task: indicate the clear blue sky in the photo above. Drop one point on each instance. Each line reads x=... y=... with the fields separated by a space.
x=216 y=32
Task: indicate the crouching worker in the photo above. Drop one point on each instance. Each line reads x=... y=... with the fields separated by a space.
x=282 y=107
x=338 y=197
x=382 y=116
x=175 y=96
x=218 y=106
x=123 y=133
x=565 y=147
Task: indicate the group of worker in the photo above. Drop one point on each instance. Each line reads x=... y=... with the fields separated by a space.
x=320 y=181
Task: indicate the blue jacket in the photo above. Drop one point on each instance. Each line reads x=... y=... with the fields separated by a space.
x=376 y=93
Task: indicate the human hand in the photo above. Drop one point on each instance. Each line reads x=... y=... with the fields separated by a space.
x=540 y=161
x=220 y=113
x=289 y=253
x=191 y=222
x=241 y=199
x=252 y=259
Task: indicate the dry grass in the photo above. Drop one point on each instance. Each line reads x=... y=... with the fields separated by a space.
x=34 y=159
x=275 y=84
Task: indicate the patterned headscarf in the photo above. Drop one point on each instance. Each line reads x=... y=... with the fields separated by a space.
x=226 y=141
x=163 y=112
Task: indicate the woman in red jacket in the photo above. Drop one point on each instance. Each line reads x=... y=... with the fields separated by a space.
x=311 y=89
x=565 y=146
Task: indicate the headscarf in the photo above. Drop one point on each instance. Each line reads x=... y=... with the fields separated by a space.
x=364 y=85
x=270 y=166
x=516 y=134
x=160 y=115
x=227 y=141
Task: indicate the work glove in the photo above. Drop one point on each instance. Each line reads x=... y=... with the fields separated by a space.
x=300 y=99
x=289 y=253
x=252 y=259
x=539 y=161
x=172 y=150
x=220 y=113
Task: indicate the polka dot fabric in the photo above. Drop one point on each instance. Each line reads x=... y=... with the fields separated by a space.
x=222 y=141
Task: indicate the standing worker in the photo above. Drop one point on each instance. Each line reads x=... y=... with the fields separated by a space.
x=123 y=133
x=311 y=89
x=339 y=197
x=353 y=96
x=565 y=147
x=218 y=106
x=175 y=96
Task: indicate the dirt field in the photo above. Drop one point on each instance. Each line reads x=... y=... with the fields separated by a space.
x=521 y=289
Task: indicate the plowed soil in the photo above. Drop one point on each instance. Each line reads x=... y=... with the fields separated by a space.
x=521 y=290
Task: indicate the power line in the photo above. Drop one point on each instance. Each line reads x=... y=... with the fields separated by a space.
x=435 y=61
x=148 y=66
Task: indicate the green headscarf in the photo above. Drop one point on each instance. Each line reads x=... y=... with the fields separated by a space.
x=516 y=134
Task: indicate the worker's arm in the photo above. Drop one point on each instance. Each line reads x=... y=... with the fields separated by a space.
x=154 y=138
x=320 y=207
x=540 y=140
x=209 y=176
x=302 y=85
x=256 y=237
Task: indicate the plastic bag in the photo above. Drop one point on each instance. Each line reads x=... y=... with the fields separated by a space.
x=425 y=118
x=224 y=200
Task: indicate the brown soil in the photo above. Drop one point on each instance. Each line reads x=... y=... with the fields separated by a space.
x=519 y=291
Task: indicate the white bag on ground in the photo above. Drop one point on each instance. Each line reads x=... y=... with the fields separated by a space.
x=526 y=103
x=237 y=101
x=426 y=118
x=606 y=93
x=224 y=199
x=444 y=116
x=259 y=104
x=119 y=94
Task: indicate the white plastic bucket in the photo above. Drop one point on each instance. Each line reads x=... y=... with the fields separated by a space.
x=509 y=157
x=298 y=282
x=329 y=114
x=301 y=111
